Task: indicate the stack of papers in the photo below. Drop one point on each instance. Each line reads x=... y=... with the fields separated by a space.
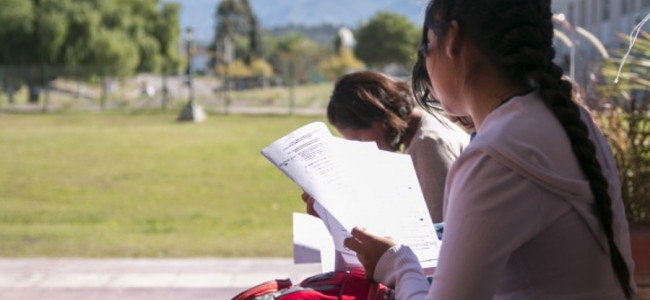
x=354 y=184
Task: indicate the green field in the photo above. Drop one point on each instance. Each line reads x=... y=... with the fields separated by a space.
x=143 y=185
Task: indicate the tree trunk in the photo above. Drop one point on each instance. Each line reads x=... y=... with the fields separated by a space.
x=10 y=90
x=34 y=93
x=165 y=91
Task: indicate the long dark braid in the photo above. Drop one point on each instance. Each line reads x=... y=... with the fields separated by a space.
x=556 y=93
x=517 y=36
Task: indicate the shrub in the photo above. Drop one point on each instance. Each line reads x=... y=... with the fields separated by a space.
x=624 y=118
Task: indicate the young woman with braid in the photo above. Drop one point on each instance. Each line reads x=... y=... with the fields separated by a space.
x=532 y=207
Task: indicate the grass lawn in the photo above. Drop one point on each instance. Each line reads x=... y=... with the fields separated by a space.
x=143 y=185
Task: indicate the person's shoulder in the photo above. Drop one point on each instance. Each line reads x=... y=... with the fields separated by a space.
x=521 y=131
x=441 y=129
x=525 y=136
x=524 y=119
x=438 y=122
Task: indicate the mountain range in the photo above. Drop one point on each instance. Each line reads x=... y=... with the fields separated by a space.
x=199 y=14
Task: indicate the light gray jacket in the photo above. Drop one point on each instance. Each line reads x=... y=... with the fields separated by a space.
x=519 y=218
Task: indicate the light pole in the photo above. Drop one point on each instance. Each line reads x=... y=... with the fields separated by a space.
x=573 y=39
x=561 y=18
x=192 y=111
x=228 y=57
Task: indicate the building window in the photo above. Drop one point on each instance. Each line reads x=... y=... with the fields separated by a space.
x=594 y=12
x=570 y=12
x=623 y=6
x=583 y=13
x=646 y=3
x=605 y=9
x=631 y=7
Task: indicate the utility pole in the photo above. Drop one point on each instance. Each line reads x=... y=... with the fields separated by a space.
x=192 y=111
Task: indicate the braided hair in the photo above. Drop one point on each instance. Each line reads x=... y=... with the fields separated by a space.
x=516 y=36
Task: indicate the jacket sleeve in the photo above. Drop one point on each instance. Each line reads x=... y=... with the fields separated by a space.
x=399 y=268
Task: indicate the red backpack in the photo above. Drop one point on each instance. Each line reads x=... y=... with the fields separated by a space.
x=337 y=285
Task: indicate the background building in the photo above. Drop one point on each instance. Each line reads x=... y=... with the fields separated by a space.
x=606 y=20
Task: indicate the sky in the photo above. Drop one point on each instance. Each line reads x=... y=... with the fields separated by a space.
x=199 y=14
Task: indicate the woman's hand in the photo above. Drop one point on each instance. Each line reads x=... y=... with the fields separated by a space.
x=309 y=201
x=369 y=248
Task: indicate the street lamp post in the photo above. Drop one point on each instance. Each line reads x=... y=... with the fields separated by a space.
x=228 y=59
x=192 y=111
x=572 y=41
x=561 y=18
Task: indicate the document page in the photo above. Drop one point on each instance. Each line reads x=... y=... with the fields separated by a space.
x=356 y=184
x=312 y=242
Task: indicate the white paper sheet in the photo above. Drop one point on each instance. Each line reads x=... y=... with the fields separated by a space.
x=312 y=242
x=356 y=184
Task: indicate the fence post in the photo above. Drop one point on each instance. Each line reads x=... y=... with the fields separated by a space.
x=102 y=100
x=292 y=88
x=226 y=91
x=165 y=89
x=10 y=90
x=46 y=87
x=4 y=82
x=77 y=78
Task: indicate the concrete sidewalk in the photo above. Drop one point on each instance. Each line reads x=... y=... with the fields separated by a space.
x=104 y=279
x=150 y=279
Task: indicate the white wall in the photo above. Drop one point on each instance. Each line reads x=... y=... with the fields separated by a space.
x=606 y=19
x=590 y=14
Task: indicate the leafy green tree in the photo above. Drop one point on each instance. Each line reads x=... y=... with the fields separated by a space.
x=294 y=56
x=238 y=68
x=116 y=37
x=339 y=64
x=237 y=22
x=385 y=39
x=168 y=37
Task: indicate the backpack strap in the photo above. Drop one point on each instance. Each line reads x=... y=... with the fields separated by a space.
x=336 y=285
x=264 y=288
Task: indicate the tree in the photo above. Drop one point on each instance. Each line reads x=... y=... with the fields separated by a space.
x=337 y=65
x=238 y=68
x=116 y=37
x=385 y=39
x=294 y=56
x=237 y=22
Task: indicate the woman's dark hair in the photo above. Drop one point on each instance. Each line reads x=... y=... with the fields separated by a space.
x=361 y=98
x=517 y=37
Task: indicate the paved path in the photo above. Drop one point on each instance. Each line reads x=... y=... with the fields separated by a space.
x=148 y=279
x=139 y=279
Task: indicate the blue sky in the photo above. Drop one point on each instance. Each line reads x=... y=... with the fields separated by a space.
x=199 y=14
